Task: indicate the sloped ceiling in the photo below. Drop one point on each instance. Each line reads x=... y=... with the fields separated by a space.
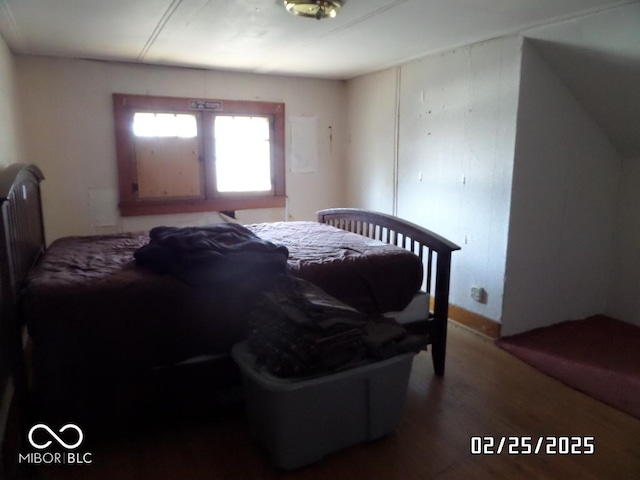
x=259 y=36
x=598 y=58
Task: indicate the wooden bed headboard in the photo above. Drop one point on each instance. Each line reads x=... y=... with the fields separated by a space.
x=21 y=244
x=433 y=249
x=21 y=227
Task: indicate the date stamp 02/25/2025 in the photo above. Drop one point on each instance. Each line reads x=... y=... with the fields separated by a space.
x=541 y=445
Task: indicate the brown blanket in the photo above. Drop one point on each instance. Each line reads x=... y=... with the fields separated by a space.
x=92 y=312
x=367 y=274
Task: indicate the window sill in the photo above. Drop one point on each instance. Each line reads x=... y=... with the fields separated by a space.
x=195 y=206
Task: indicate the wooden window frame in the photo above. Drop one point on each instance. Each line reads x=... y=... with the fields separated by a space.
x=125 y=105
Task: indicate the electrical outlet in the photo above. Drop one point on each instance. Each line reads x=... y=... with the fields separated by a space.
x=479 y=294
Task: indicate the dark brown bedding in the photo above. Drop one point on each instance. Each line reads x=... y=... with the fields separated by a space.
x=92 y=311
x=367 y=274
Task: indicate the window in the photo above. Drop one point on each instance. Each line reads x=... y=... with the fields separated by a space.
x=180 y=155
x=243 y=154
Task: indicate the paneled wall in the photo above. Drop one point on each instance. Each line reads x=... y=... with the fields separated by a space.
x=434 y=139
x=457 y=130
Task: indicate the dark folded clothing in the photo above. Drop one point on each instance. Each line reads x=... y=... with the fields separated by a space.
x=217 y=254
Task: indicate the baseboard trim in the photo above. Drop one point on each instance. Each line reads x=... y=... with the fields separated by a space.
x=474 y=321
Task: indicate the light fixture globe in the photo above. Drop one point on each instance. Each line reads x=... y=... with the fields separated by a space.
x=317 y=9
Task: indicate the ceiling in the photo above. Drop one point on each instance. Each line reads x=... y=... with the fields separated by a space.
x=577 y=37
x=260 y=36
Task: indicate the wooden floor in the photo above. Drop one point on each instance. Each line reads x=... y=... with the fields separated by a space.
x=485 y=392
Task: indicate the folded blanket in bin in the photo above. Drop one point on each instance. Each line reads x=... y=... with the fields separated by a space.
x=298 y=330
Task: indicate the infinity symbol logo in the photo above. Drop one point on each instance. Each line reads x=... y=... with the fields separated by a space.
x=53 y=434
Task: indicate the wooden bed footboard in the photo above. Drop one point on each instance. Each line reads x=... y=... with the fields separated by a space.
x=433 y=250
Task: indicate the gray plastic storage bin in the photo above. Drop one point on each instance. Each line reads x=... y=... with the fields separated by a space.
x=298 y=422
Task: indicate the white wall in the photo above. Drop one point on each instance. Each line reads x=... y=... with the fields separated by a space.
x=71 y=134
x=372 y=111
x=10 y=143
x=514 y=170
x=563 y=206
x=624 y=296
x=457 y=133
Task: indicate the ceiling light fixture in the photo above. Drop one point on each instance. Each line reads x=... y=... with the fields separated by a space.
x=317 y=9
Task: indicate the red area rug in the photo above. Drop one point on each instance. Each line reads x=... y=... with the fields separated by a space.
x=599 y=356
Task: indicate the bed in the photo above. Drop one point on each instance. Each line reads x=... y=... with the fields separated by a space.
x=116 y=322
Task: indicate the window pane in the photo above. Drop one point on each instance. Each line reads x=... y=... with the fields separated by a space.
x=168 y=167
x=243 y=154
x=167 y=155
x=164 y=125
